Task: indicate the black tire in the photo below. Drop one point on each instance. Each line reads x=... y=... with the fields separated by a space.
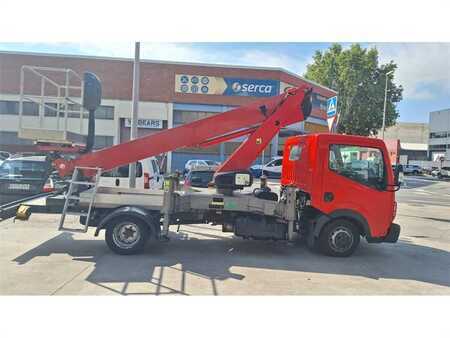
x=127 y=236
x=339 y=238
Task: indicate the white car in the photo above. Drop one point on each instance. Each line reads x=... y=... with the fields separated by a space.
x=412 y=169
x=444 y=172
x=148 y=175
x=200 y=163
x=272 y=169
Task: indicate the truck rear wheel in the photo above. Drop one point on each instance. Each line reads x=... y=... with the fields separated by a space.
x=339 y=238
x=126 y=236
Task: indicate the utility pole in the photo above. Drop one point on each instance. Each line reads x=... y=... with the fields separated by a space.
x=385 y=103
x=135 y=109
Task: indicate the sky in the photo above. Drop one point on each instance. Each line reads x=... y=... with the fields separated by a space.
x=423 y=68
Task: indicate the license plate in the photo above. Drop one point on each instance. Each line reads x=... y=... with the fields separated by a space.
x=18 y=186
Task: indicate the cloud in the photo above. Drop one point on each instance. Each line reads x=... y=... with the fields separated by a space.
x=423 y=68
x=183 y=52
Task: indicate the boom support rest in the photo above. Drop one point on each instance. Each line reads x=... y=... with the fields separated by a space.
x=262 y=120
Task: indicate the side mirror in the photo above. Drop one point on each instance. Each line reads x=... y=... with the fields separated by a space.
x=398 y=179
x=306 y=105
x=92 y=93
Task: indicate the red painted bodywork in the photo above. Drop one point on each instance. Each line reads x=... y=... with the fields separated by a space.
x=261 y=124
x=312 y=175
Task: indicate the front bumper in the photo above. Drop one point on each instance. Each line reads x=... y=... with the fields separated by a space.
x=391 y=237
x=393 y=234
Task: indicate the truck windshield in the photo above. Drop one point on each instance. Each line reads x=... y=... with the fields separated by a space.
x=362 y=164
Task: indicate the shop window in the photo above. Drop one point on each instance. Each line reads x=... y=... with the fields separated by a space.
x=10 y=137
x=182 y=117
x=105 y=113
x=437 y=146
x=442 y=134
x=101 y=141
x=50 y=109
x=9 y=107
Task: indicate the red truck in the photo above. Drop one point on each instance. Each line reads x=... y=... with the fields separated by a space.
x=347 y=188
x=334 y=188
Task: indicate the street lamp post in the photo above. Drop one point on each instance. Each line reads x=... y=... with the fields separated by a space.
x=385 y=103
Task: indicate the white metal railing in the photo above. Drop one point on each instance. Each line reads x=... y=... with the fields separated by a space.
x=58 y=95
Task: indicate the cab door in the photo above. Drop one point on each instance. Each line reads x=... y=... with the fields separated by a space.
x=355 y=178
x=156 y=180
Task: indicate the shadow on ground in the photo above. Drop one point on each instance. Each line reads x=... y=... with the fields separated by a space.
x=413 y=182
x=213 y=257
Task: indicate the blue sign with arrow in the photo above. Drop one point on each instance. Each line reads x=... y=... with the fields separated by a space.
x=331 y=107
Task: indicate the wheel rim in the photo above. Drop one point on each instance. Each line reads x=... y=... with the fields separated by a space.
x=126 y=235
x=341 y=239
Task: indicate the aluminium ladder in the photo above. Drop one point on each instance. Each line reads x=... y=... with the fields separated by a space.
x=71 y=199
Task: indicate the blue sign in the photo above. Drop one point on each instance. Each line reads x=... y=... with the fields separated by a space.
x=251 y=87
x=331 y=107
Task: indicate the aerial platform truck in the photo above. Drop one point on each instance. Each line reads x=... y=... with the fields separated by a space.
x=335 y=189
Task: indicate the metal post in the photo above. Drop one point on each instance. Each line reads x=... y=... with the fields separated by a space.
x=168 y=202
x=66 y=103
x=134 y=113
x=262 y=162
x=22 y=75
x=41 y=106
x=385 y=103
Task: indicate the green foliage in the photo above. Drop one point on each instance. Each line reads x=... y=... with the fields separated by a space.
x=360 y=82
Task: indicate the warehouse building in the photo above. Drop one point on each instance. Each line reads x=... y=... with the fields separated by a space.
x=413 y=139
x=439 y=139
x=171 y=94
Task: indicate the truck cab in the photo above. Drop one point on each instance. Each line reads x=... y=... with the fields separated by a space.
x=347 y=185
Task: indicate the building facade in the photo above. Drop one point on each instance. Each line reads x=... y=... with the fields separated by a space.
x=171 y=94
x=439 y=138
x=413 y=139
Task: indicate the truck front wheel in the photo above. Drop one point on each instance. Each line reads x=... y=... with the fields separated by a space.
x=126 y=236
x=339 y=238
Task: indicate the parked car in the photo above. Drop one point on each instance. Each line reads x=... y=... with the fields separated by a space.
x=4 y=155
x=444 y=172
x=200 y=163
x=272 y=169
x=435 y=172
x=412 y=169
x=148 y=175
x=198 y=177
x=22 y=176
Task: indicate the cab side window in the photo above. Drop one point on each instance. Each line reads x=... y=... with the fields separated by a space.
x=123 y=171
x=295 y=153
x=155 y=167
x=361 y=164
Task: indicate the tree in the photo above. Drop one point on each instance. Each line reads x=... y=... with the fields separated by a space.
x=360 y=82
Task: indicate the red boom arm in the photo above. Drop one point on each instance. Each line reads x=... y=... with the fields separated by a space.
x=262 y=120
